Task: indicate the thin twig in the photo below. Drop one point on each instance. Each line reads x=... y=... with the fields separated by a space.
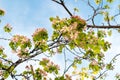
x=63 y=4
x=4 y=39
x=65 y=62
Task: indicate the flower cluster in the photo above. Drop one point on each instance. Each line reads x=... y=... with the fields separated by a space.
x=95 y=66
x=7 y=28
x=40 y=37
x=49 y=66
x=77 y=26
x=38 y=70
x=20 y=45
x=21 y=39
x=40 y=34
x=70 y=28
x=22 y=53
x=40 y=74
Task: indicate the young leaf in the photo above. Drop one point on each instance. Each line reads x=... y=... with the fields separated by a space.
x=110 y=1
x=2 y=13
x=98 y=1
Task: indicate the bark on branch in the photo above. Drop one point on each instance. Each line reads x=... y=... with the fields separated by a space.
x=103 y=27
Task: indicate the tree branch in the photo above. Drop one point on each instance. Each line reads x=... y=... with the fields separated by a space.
x=89 y=26
x=64 y=6
x=104 y=27
x=112 y=60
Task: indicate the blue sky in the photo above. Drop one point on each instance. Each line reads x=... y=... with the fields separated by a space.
x=27 y=15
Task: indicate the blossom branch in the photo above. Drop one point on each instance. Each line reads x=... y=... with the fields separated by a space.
x=94 y=14
x=112 y=60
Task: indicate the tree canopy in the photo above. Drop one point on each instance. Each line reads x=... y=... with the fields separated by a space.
x=73 y=37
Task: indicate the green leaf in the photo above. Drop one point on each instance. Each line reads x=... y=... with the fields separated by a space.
x=14 y=72
x=76 y=9
x=98 y=1
x=101 y=34
x=55 y=35
x=12 y=45
x=4 y=55
x=107 y=7
x=119 y=6
x=111 y=18
x=51 y=18
x=60 y=78
x=78 y=61
x=5 y=74
x=43 y=63
x=109 y=32
x=110 y=1
x=7 y=28
x=109 y=66
x=60 y=48
x=71 y=45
